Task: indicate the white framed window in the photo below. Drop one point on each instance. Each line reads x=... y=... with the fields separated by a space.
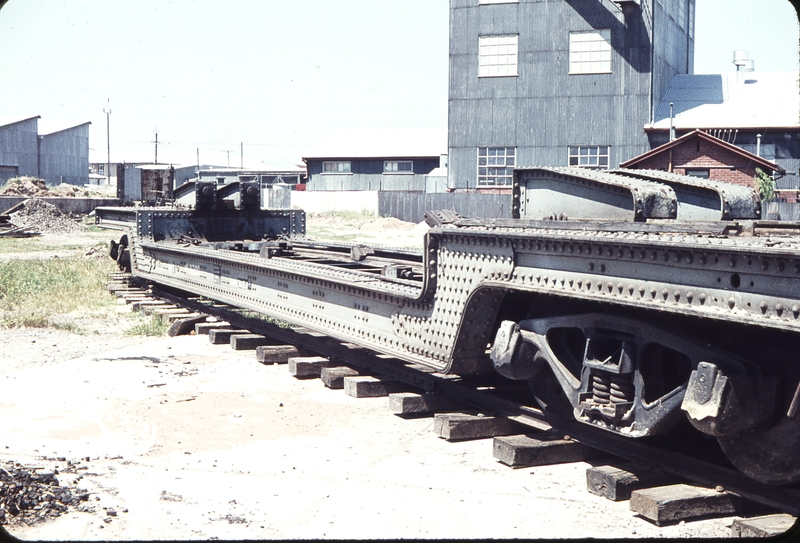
x=590 y=51
x=682 y=13
x=101 y=169
x=398 y=166
x=496 y=166
x=691 y=19
x=589 y=156
x=702 y=173
x=497 y=55
x=339 y=166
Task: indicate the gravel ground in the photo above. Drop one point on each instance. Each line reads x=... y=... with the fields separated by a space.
x=188 y=440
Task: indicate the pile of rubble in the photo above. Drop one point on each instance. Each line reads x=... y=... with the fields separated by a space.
x=35 y=187
x=36 y=214
x=27 y=497
x=25 y=186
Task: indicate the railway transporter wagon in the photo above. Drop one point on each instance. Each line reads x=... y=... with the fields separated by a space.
x=628 y=300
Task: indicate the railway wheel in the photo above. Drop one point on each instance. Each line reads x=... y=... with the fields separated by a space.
x=548 y=394
x=771 y=456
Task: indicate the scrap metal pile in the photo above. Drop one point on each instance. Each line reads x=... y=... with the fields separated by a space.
x=27 y=497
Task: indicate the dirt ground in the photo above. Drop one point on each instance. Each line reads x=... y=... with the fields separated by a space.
x=188 y=440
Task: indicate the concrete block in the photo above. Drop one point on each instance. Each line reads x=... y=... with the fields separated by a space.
x=333 y=377
x=456 y=426
x=219 y=336
x=765 y=526
x=304 y=367
x=540 y=450
x=617 y=483
x=248 y=342
x=407 y=403
x=366 y=386
x=202 y=328
x=673 y=503
x=276 y=354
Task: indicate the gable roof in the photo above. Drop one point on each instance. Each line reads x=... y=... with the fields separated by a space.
x=759 y=100
x=381 y=144
x=761 y=162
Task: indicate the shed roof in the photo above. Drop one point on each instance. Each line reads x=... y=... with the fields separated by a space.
x=87 y=123
x=4 y=124
x=757 y=160
x=381 y=144
x=760 y=100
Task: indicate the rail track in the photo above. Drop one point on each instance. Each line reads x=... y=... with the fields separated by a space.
x=500 y=408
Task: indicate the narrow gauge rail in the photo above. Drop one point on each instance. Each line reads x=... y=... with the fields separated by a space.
x=624 y=323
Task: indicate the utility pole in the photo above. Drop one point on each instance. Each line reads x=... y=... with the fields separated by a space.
x=229 y=159
x=108 y=141
x=241 y=147
x=156 y=142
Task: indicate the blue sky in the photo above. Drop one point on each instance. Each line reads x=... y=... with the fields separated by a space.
x=271 y=75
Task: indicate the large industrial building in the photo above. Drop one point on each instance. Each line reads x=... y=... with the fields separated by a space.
x=558 y=82
x=58 y=157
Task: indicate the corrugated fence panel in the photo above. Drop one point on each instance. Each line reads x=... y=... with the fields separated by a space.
x=784 y=211
x=411 y=206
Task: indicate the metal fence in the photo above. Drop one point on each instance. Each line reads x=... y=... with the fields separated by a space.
x=783 y=211
x=411 y=206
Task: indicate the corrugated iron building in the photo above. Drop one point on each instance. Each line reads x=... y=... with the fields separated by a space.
x=558 y=82
x=382 y=160
x=19 y=149
x=58 y=157
x=64 y=156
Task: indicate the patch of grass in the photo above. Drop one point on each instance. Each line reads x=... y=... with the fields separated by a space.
x=39 y=243
x=154 y=325
x=33 y=291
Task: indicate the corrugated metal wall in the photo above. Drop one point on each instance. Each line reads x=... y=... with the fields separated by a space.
x=412 y=206
x=544 y=109
x=64 y=156
x=19 y=149
x=133 y=183
x=367 y=174
x=360 y=181
x=783 y=211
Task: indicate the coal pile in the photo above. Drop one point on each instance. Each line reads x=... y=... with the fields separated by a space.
x=36 y=214
x=27 y=497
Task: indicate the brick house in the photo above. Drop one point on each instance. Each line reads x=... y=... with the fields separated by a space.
x=702 y=155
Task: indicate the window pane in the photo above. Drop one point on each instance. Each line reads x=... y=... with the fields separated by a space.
x=497 y=55
x=495 y=166
x=590 y=51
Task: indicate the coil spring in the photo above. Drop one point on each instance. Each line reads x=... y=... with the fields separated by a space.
x=612 y=388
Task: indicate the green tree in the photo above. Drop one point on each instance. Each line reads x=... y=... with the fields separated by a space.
x=765 y=185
